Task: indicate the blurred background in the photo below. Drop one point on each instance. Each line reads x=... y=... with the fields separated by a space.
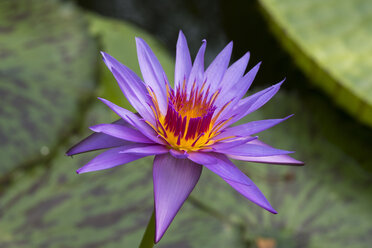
x=51 y=74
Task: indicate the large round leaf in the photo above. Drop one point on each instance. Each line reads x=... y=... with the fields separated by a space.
x=118 y=39
x=47 y=67
x=59 y=208
x=331 y=41
x=326 y=203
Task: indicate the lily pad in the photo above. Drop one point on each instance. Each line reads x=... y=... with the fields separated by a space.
x=47 y=68
x=58 y=208
x=330 y=41
x=118 y=39
x=326 y=203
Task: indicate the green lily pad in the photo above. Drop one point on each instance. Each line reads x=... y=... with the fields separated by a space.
x=58 y=208
x=118 y=39
x=330 y=41
x=326 y=203
x=46 y=69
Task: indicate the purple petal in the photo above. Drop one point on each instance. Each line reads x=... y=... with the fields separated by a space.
x=256 y=101
x=199 y=158
x=241 y=87
x=252 y=103
x=197 y=70
x=253 y=150
x=147 y=150
x=133 y=120
x=174 y=179
x=178 y=154
x=214 y=73
x=121 y=132
x=277 y=159
x=152 y=72
x=237 y=91
x=233 y=74
x=131 y=86
x=222 y=146
x=97 y=141
x=183 y=62
x=110 y=158
x=250 y=128
x=224 y=168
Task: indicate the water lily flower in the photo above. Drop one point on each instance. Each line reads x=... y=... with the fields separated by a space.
x=187 y=127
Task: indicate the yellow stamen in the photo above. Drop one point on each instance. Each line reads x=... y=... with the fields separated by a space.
x=189 y=124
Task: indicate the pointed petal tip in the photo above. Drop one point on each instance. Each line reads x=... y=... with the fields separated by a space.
x=81 y=171
x=181 y=39
x=95 y=129
x=203 y=46
x=103 y=100
x=174 y=179
x=281 y=82
x=247 y=56
x=267 y=206
x=275 y=86
x=228 y=49
x=300 y=163
x=70 y=152
x=255 y=68
x=181 y=34
x=158 y=236
x=140 y=41
x=273 y=211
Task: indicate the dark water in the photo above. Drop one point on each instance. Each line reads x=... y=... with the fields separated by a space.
x=241 y=21
x=330 y=197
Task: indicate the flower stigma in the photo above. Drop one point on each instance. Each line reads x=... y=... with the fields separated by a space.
x=190 y=120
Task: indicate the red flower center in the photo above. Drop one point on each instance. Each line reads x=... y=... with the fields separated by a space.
x=189 y=121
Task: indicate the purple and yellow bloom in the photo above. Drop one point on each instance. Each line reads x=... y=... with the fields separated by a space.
x=187 y=127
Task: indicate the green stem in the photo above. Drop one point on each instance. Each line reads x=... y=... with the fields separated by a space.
x=149 y=235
